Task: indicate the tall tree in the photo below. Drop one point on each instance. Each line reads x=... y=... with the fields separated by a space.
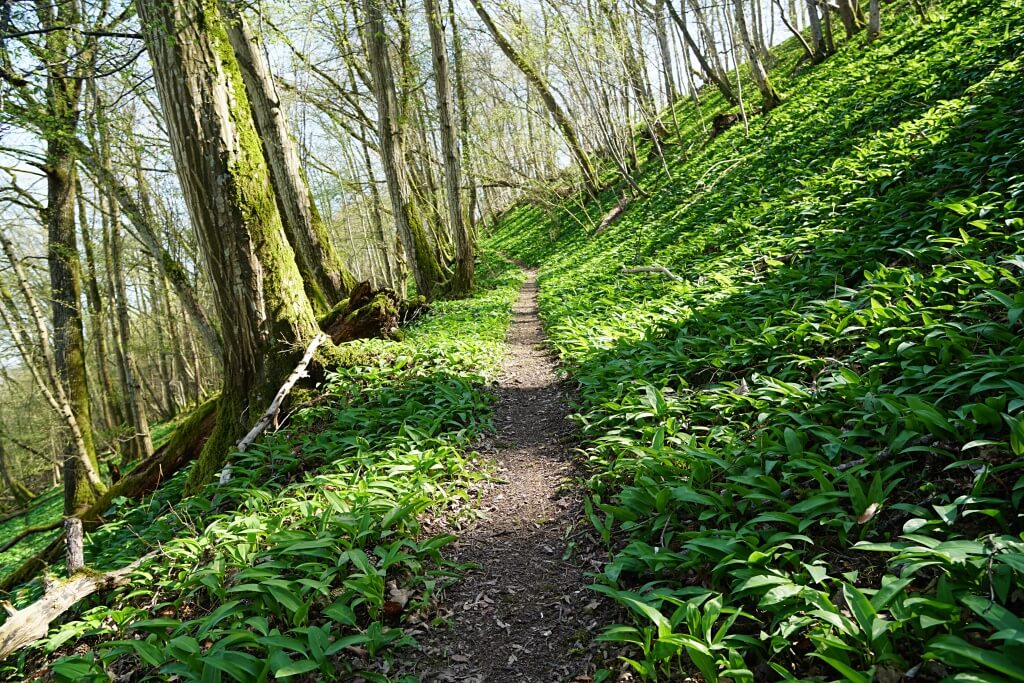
x=326 y=278
x=67 y=58
x=418 y=250
x=462 y=98
x=462 y=279
x=710 y=70
x=257 y=288
x=769 y=96
x=535 y=79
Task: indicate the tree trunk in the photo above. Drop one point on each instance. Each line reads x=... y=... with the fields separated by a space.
x=98 y=165
x=325 y=276
x=168 y=400
x=850 y=18
x=462 y=280
x=418 y=251
x=769 y=97
x=712 y=73
x=875 y=19
x=665 y=52
x=820 y=50
x=51 y=386
x=463 y=104
x=826 y=20
x=795 y=31
x=21 y=493
x=183 y=393
x=561 y=119
x=111 y=415
x=266 y=316
x=135 y=407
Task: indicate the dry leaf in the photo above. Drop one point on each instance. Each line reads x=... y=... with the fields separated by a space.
x=869 y=513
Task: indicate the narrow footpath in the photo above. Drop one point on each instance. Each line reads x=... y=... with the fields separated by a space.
x=524 y=614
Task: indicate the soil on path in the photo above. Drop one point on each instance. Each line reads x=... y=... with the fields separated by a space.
x=524 y=613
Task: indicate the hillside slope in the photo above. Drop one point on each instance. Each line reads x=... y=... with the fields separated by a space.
x=302 y=565
x=806 y=455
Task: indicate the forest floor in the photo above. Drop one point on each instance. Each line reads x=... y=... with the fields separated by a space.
x=523 y=611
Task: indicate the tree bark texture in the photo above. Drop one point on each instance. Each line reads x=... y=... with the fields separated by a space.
x=418 y=250
x=257 y=288
x=462 y=279
x=327 y=280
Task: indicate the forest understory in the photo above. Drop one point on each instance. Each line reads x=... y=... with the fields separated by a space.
x=739 y=398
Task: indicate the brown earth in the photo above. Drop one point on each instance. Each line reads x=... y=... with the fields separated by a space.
x=524 y=612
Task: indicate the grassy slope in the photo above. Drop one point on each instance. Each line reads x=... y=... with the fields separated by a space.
x=843 y=363
x=286 y=570
x=48 y=507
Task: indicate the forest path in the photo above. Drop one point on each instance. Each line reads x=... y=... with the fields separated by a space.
x=524 y=613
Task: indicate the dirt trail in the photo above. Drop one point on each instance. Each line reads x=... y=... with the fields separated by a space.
x=524 y=614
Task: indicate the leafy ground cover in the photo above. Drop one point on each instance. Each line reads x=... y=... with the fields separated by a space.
x=306 y=564
x=806 y=457
x=46 y=508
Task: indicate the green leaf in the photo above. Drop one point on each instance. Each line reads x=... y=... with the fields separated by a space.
x=947 y=645
x=299 y=666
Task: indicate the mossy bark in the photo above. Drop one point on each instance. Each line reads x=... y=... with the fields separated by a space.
x=420 y=253
x=63 y=95
x=366 y=313
x=266 y=316
x=326 y=278
x=461 y=282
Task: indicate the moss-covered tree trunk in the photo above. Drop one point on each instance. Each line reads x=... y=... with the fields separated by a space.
x=63 y=95
x=258 y=292
x=326 y=278
x=462 y=280
x=417 y=247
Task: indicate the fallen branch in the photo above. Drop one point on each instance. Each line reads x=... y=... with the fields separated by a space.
x=183 y=447
x=17 y=513
x=610 y=217
x=662 y=270
x=275 y=406
x=26 y=626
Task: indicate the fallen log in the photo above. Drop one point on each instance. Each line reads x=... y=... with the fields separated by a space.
x=26 y=626
x=17 y=513
x=25 y=533
x=613 y=215
x=183 y=447
x=365 y=314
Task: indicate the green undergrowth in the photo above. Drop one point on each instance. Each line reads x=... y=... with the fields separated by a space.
x=307 y=562
x=44 y=509
x=805 y=456
x=47 y=508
